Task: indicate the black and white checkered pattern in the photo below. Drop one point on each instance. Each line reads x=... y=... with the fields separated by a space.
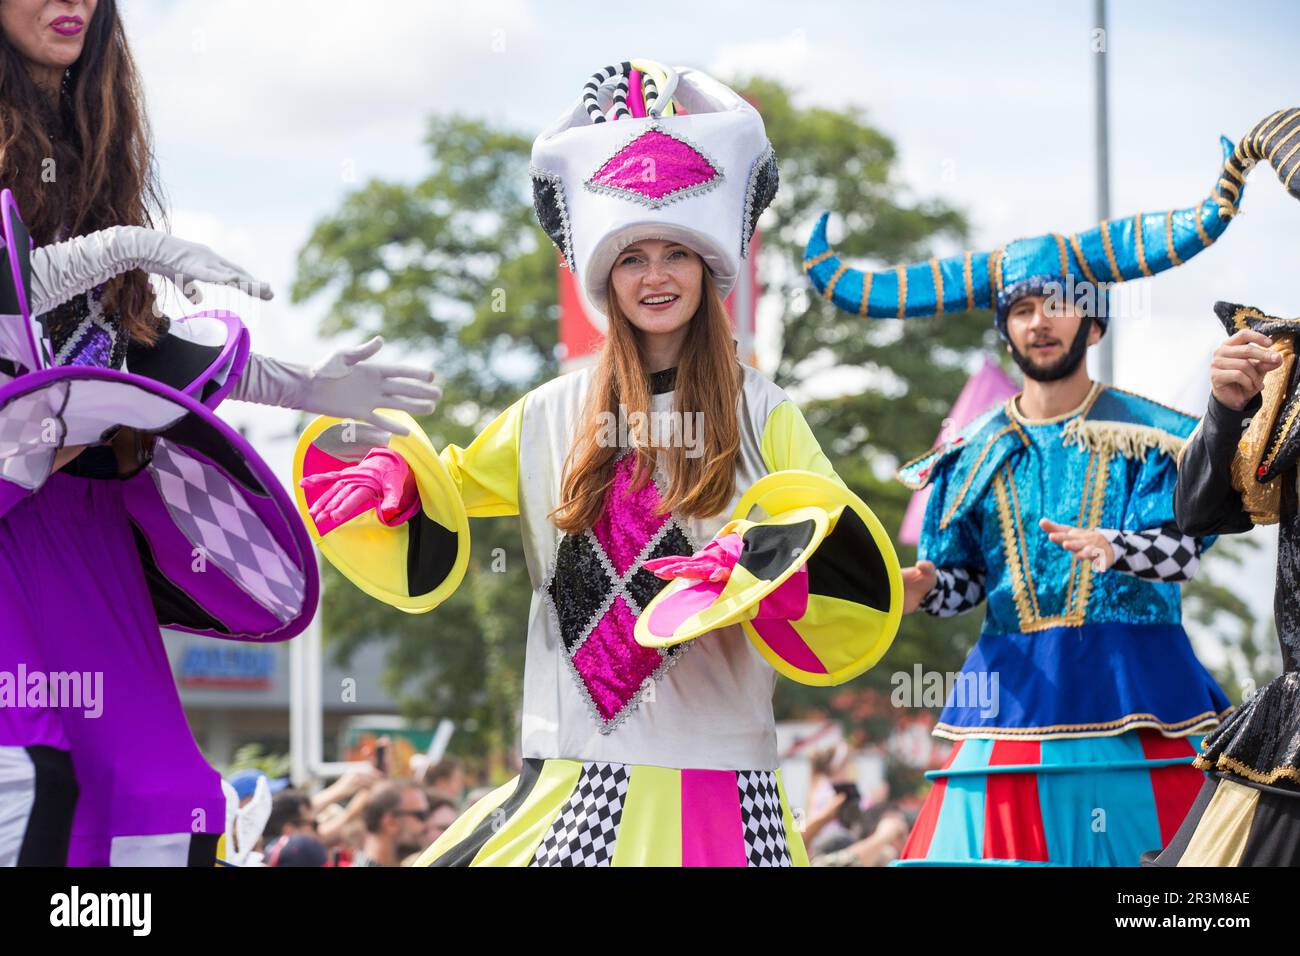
x=213 y=514
x=956 y=591
x=760 y=812
x=584 y=832
x=1158 y=554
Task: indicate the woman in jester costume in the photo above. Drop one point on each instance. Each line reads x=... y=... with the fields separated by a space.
x=1080 y=710
x=673 y=576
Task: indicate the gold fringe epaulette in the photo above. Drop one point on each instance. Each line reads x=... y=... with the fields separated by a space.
x=1123 y=438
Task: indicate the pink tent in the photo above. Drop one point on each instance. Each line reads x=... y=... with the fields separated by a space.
x=986 y=388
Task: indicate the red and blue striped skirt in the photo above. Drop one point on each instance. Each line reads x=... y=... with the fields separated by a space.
x=1092 y=801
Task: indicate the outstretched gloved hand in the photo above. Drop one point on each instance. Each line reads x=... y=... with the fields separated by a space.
x=63 y=270
x=345 y=385
x=713 y=562
x=381 y=481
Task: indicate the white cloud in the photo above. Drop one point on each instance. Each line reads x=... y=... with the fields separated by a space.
x=279 y=75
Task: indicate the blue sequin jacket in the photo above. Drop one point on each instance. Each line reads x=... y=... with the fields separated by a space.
x=1074 y=652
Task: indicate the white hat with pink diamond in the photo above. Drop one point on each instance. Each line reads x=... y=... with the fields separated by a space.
x=651 y=152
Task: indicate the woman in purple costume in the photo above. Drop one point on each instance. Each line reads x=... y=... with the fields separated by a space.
x=125 y=502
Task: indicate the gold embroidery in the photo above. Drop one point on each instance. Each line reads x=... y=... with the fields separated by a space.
x=1115 y=274
x=1107 y=728
x=1224 y=762
x=810 y=264
x=835 y=277
x=867 y=278
x=1122 y=391
x=1275 y=123
x=1081 y=409
x=1263 y=500
x=1169 y=238
x=1020 y=539
x=1083 y=263
x=1084 y=568
x=1019 y=588
x=1141 y=249
x=938 y=454
x=1287 y=158
x=1014 y=545
x=1065 y=257
x=970 y=282
x=938 y=285
x=1282 y=142
x=970 y=476
x=1200 y=229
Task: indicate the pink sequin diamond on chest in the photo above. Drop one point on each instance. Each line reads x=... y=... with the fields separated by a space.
x=599 y=587
x=654 y=169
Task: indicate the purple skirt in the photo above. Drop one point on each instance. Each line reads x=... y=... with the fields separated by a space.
x=74 y=601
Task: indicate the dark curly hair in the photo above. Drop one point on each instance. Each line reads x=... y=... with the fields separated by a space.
x=85 y=162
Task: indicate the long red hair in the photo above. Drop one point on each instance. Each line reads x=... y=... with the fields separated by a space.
x=708 y=382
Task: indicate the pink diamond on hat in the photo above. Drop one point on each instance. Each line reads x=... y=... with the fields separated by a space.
x=656 y=169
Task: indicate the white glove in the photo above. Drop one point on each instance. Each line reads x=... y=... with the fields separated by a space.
x=64 y=270
x=250 y=821
x=342 y=386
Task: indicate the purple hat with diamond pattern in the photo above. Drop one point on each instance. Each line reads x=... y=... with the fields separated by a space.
x=700 y=175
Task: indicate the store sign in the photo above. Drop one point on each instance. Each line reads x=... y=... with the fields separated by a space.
x=227 y=668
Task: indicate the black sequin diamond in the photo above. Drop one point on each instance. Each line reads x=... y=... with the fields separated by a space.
x=644 y=585
x=579 y=586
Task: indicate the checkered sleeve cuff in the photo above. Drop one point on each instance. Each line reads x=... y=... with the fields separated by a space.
x=956 y=591
x=1157 y=554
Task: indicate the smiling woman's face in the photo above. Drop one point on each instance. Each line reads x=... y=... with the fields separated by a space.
x=49 y=34
x=657 y=285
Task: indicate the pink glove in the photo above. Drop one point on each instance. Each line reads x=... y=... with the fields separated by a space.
x=713 y=562
x=382 y=481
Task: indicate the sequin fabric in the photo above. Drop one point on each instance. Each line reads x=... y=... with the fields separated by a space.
x=82 y=334
x=599 y=587
x=655 y=168
x=1286 y=595
x=553 y=212
x=1260 y=740
x=1031 y=582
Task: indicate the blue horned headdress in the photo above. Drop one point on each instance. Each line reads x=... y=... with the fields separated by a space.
x=1114 y=251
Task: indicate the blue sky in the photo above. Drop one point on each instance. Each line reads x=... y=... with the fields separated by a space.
x=265 y=114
